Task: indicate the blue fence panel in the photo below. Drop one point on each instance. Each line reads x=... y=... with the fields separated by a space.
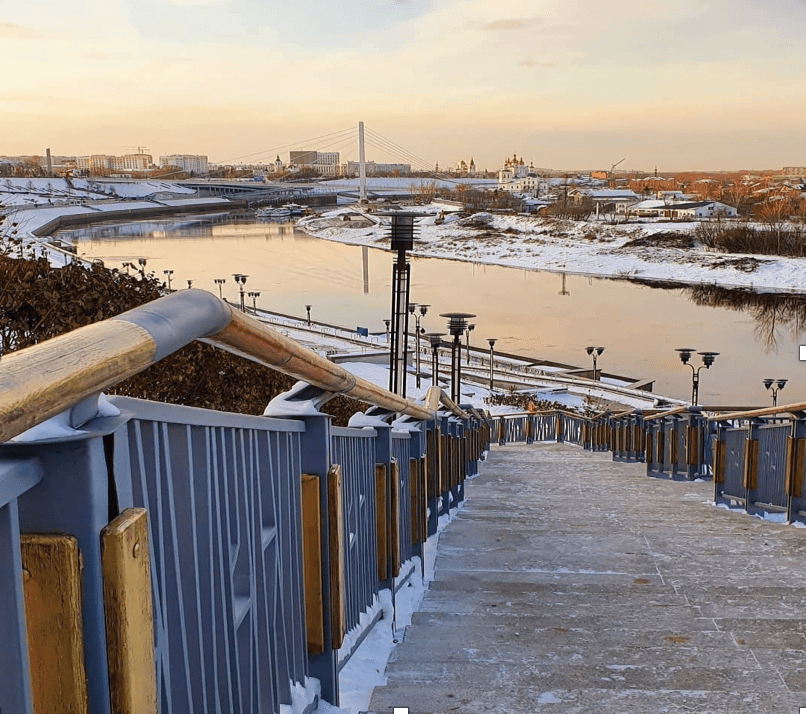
x=354 y=450
x=224 y=505
x=734 y=463
x=772 y=447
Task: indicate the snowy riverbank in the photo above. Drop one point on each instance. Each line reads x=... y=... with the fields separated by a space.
x=637 y=251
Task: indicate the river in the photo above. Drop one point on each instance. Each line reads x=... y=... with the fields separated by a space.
x=540 y=314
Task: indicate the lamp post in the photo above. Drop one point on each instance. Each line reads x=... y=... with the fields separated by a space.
x=707 y=361
x=435 y=340
x=254 y=297
x=423 y=309
x=470 y=329
x=775 y=386
x=387 y=323
x=220 y=282
x=142 y=263
x=240 y=278
x=190 y=284
x=308 y=310
x=594 y=352
x=168 y=274
x=457 y=324
x=492 y=342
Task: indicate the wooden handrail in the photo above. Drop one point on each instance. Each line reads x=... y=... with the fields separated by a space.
x=46 y=379
x=670 y=412
x=766 y=411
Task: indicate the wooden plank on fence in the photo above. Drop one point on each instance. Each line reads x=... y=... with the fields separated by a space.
x=692 y=446
x=795 y=450
x=750 y=475
x=128 y=615
x=335 y=526
x=312 y=565
x=51 y=569
x=423 y=499
x=719 y=461
x=414 y=501
x=673 y=445
x=649 y=452
x=381 y=541
x=394 y=498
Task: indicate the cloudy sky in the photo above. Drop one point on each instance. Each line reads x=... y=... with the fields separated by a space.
x=693 y=84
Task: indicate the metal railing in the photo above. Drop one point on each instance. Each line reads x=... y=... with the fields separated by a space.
x=246 y=606
x=756 y=458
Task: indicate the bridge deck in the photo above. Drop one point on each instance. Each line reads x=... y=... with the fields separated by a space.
x=569 y=583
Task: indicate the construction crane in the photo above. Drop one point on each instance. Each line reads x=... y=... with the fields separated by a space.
x=610 y=179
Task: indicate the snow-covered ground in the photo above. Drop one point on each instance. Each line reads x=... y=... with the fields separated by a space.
x=581 y=247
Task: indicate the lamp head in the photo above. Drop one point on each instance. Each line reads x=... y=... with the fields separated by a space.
x=781 y=383
x=424 y=309
x=492 y=341
x=589 y=350
x=599 y=350
x=768 y=383
x=435 y=338
x=708 y=358
x=412 y=307
x=685 y=353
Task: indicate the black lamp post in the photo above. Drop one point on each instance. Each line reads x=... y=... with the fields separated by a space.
x=435 y=340
x=190 y=284
x=492 y=342
x=168 y=274
x=423 y=309
x=387 y=323
x=457 y=324
x=707 y=361
x=254 y=297
x=775 y=386
x=240 y=278
x=142 y=263
x=594 y=352
x=470 y=329
x=308 y=311
x=220 y=282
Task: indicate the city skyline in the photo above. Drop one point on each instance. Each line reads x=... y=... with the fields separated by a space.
x=694 y=86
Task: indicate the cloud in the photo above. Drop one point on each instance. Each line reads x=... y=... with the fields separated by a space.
x=10 y=31
x=515 y=23
x=532 y=63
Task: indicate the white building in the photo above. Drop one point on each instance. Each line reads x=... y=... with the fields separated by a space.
x=189 y=163
x=351 y=168
x=698 y=210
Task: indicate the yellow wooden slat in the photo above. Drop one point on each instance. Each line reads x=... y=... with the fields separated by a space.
x=381 y=541
x=312 y=565
x=128 y=614
x=394 y=524
x=335 y=520
x=750 y=474
x=52 y=585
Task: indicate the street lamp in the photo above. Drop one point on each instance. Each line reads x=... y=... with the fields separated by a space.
x=417 y=316
x=142 y=263
x=220 y=282
x=594 y=352
x=457 y=324
x=771 y=385
x=492 y=342
x=168 y=274
x=470 y=329
x=190 y=284
x=435 y=340
x=308 y=310
x=707 y=361
x=240 y=278
x=254 y=297
x=387 y=323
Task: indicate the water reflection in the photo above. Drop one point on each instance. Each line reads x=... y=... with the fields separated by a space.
x=543 y=315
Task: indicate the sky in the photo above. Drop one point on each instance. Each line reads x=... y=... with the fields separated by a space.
x=565 y=84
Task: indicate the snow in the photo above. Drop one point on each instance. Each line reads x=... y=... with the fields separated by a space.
x=593 y=248
x=365 y=670
x=58 y=426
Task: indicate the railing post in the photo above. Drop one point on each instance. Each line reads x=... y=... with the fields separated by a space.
x=73 y=498
x=383 y=504
x=316 y=461
x=750 y=473
x=795 y=461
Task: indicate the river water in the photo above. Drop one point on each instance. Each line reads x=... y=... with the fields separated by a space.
x=544 y=315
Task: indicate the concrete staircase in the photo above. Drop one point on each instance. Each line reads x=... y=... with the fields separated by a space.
x=569 y=583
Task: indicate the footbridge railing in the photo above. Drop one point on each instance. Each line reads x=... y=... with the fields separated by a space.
x=756 y=458
x=157 y=557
